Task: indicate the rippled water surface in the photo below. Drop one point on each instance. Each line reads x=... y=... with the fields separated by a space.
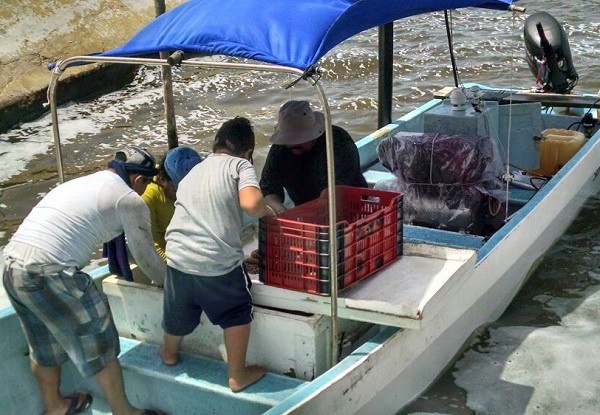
x=541 y=357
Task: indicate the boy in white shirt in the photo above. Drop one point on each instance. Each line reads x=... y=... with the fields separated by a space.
x=204 y=250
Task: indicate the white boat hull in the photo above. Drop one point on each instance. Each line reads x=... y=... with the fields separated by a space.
x=399 y=369
x=385 y=373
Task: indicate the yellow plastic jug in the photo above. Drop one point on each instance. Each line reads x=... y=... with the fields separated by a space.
x=556 y=149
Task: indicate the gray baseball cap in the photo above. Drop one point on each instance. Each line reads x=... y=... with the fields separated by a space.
x=137 y=160
x=297 y=124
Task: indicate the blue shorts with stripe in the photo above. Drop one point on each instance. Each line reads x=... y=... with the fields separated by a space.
x=63 y=315
x=225 y=299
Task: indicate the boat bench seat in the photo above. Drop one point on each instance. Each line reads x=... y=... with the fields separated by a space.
x=195 y=379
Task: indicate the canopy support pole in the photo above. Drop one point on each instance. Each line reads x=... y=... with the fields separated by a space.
x=331 y=203
x=386 y=75
x=160 y=8
x=56 y=73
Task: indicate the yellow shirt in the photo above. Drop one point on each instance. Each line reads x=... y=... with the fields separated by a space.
x=161 y=211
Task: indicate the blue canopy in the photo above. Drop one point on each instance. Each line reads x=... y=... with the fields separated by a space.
x=295 y=33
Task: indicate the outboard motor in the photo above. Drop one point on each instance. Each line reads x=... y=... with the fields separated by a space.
x=548 y=54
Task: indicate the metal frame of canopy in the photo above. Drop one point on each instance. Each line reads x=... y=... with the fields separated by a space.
x=385 y=86
x=61 y=66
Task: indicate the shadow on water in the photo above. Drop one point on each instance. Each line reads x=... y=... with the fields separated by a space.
x=509 y=366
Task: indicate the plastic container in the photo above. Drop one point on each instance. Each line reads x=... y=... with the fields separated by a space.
x=295 y=245
x=556 y=149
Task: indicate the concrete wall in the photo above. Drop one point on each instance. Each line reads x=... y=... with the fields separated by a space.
x=35 y=33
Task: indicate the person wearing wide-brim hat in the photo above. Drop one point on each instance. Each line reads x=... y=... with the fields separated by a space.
x=297 y=160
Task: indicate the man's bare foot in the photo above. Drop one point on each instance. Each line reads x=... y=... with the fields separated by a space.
x=251 y=375
x=168 y=359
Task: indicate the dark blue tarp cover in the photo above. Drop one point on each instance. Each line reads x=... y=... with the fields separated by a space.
x=294 y=33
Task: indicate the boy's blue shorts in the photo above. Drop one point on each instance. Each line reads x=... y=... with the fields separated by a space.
x=225 y=299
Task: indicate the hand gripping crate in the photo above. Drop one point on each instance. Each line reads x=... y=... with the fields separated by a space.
x=294 y=245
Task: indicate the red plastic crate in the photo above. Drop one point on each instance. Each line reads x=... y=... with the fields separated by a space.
x=294 y=246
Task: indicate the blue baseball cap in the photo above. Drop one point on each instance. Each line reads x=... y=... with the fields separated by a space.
x=179 y=161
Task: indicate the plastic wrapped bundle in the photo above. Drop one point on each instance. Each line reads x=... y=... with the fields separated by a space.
x=444 y=178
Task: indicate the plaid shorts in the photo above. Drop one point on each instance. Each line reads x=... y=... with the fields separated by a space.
x=63 y=315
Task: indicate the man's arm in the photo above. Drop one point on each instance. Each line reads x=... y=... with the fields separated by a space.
x=135 y=219
x=275 y=203
x=253 y=202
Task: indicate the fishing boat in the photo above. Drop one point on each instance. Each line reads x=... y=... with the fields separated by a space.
x=465 y=246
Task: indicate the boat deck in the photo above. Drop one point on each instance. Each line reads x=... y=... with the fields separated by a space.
x=178 y=389
x=405 y=293
x=399 y=295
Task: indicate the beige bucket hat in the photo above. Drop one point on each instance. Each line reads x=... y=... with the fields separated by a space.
x=297 y=123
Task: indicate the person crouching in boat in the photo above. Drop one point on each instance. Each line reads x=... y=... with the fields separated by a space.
x=205 y=250
x=297 y=160
x=161 y=193
x=61 y=311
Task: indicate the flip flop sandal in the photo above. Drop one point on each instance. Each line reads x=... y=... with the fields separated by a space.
x=76 y=406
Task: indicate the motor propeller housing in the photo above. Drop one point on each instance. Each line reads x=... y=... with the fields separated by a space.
x=548 y=54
